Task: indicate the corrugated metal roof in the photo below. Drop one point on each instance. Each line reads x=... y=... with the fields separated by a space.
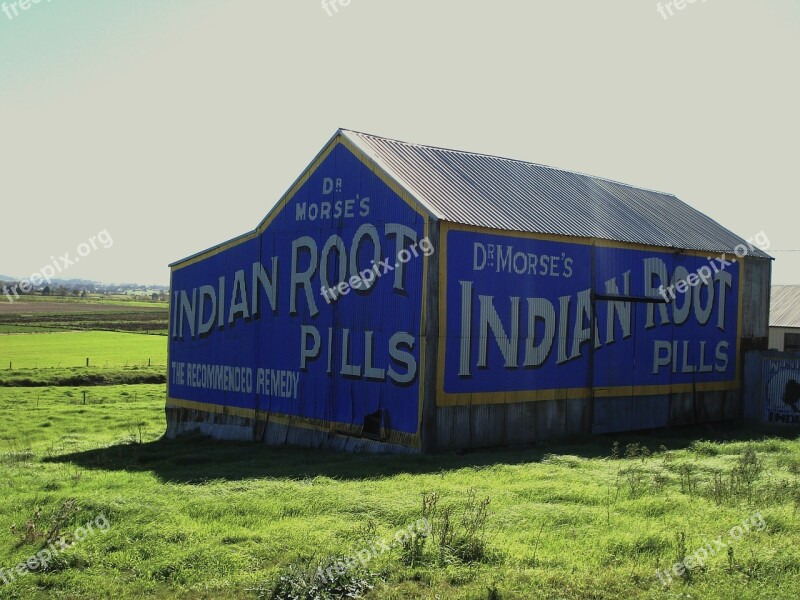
x=784 y=310
x=501 y=193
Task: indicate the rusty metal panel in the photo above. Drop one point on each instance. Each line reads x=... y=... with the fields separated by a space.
x=614 y=415
x=682 y=409
x=578 y=416
x=444 y=427
x=711 y=406
x=481 y=424
x=550 y=419
x=484 y=425
x=520 y=423
x=453 y=429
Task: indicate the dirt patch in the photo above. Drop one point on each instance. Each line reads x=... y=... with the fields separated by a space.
x=20 y=307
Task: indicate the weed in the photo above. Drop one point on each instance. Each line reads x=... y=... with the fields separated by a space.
x=462 y=539
x=17 y=457
x=368 y=532
x=720 y=491
x=748 y=467
x=35 y=528
x=789 y=462
x=704 y=448
x=686 y=472
x=328 y=581
x=682 y=553
x=615 y=455
x=470 y=543
x=412 y=549
x=492 y=593
x=536 y=545
x=633 y=450
x=660 y=482
x=634 y=477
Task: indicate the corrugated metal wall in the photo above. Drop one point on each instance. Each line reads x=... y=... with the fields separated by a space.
x=493 y=424
x=772 y=388
x=755 y=319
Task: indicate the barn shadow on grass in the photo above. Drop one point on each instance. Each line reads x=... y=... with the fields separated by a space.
x=196 y=459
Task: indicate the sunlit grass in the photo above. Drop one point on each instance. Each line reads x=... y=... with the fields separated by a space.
x=199 y=518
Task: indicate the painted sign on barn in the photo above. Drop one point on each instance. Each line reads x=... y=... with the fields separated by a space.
x=520 y=312
x=317 y=314
x=781 y=381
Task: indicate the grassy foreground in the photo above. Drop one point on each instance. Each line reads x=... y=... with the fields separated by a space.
x=199 y=519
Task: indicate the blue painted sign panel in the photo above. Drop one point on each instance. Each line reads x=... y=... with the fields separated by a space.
x=318 y=316
x=520 y=314
x=781 y=392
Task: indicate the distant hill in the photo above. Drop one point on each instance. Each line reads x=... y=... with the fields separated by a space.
x=55 y=281
x=75 y=282
x=91 y=285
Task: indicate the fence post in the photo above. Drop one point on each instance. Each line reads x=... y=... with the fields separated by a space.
x=87 y=361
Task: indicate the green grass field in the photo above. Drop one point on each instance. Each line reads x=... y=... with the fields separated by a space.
x=71 y=349
x=195 y=518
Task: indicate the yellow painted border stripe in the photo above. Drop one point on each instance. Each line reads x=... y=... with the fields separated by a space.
x=395 y=437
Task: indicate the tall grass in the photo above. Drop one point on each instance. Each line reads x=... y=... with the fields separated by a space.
x=199 y=518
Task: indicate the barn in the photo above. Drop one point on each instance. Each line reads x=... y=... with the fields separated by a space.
x=784 y=318
x=409 y=298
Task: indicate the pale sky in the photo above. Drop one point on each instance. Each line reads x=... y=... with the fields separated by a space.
x=176 y=125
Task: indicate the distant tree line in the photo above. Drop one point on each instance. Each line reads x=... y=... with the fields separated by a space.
x=24 y=288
